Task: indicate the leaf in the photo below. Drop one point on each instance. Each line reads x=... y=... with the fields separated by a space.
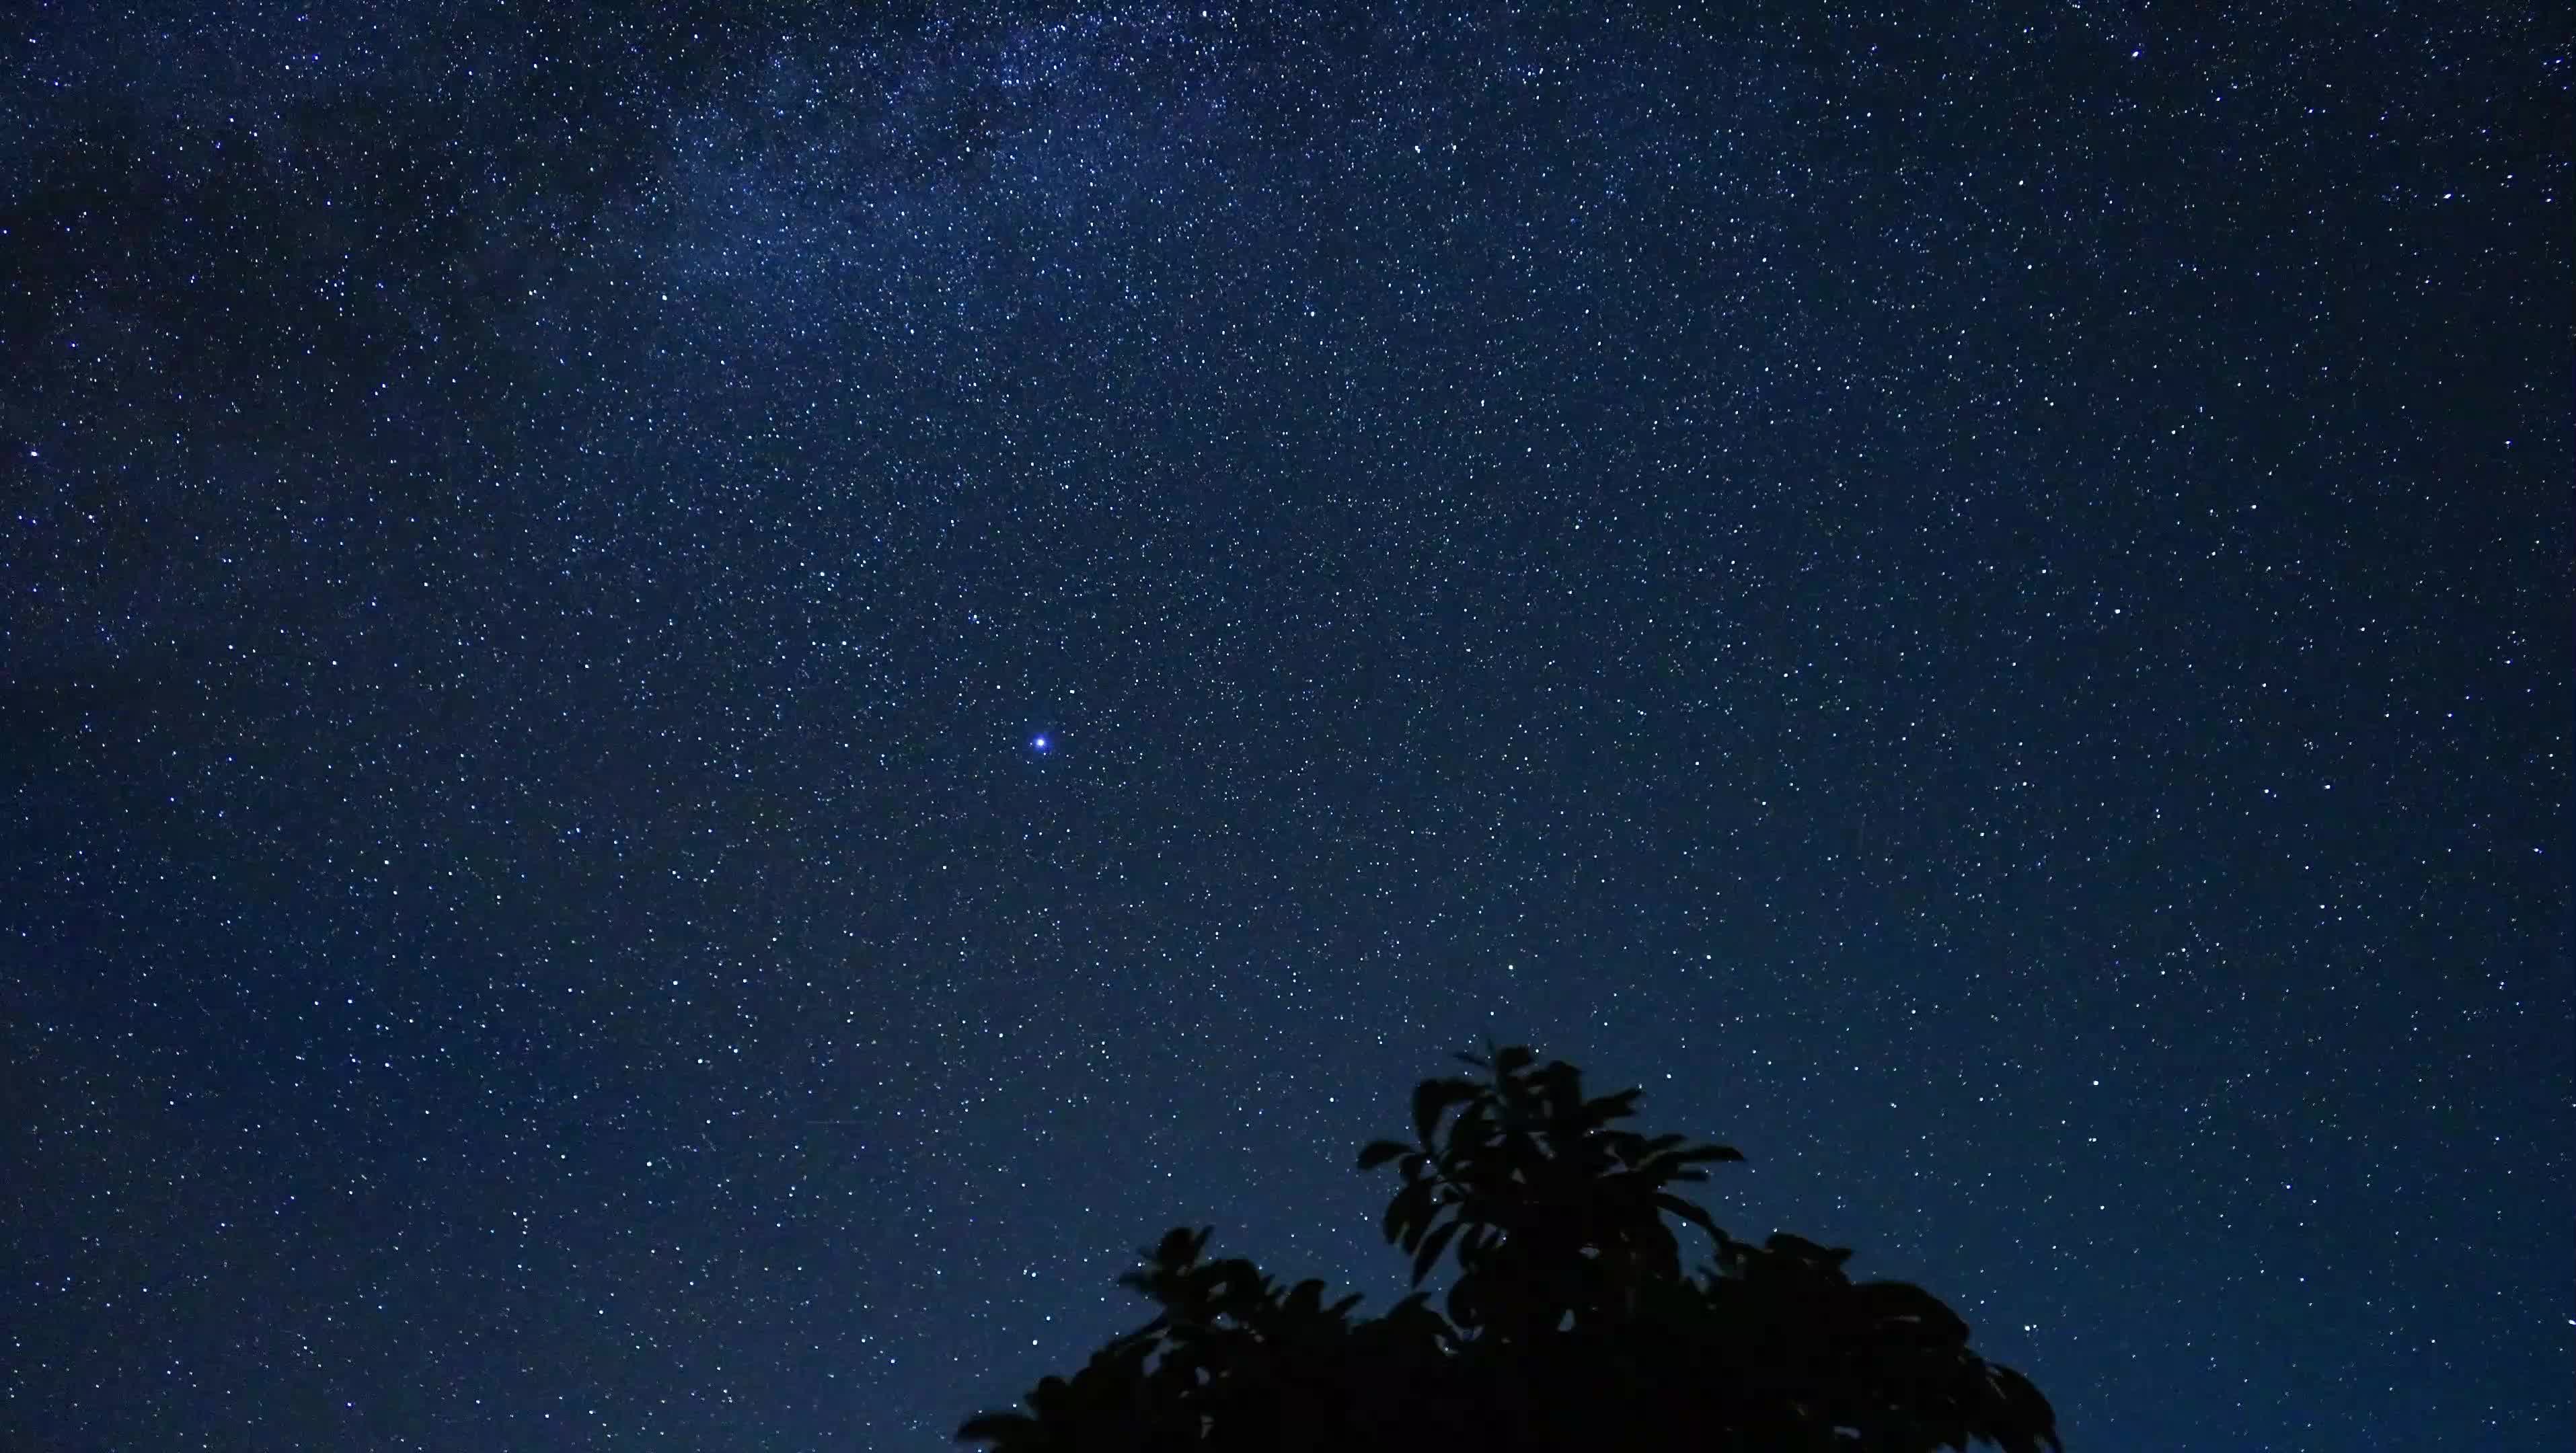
x=1513 y=1060
x=1799 y=1248
x=1613 y=1107
x=1666 y=1165
x=1409 y=1212
x=1007 y=1429
x=1432 y=1246
x=1432 y=1099
x=1378 y=1152
x=1466 y=1301
x=1474 y=1127
x=1179 y=1248
x=1689 y=1212
x=1478 y=1242
x=1903 y=1302
x=1560 y=1087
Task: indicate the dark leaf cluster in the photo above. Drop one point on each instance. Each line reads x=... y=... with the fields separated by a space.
x=1570 y=1322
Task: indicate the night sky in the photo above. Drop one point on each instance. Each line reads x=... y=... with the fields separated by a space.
x=696 y=710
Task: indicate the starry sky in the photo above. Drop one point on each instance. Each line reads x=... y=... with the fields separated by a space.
x=1977 y=598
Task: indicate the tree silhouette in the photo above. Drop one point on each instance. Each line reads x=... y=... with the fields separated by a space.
x=1570 y=1324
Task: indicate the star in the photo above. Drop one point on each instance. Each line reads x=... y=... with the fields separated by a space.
x=1647 y=541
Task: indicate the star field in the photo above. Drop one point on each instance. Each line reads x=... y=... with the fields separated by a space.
x=698 y=703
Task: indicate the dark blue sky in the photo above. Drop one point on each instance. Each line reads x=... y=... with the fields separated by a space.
x=1980 y=603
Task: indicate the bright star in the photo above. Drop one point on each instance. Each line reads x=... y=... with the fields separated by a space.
x=1039 y=741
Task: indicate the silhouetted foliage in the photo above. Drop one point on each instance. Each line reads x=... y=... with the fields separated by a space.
x=1571 y=1323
